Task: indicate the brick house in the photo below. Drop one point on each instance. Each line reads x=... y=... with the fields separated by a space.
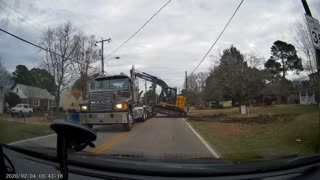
x=40 y=99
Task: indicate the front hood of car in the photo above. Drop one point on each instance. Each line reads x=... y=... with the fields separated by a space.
x=133 y=165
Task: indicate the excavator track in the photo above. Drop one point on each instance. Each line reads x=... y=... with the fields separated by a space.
x=169 y=111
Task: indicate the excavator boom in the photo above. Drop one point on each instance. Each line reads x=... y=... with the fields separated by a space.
x=170 y=103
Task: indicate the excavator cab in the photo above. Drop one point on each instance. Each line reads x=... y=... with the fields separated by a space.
x=168 y=97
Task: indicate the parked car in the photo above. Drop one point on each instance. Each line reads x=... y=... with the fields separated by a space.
x=22 y=110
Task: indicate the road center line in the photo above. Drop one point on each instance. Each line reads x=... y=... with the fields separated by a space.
x=210 y=149
x=108 y=144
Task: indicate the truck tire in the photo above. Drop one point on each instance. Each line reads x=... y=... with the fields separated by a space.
x=143 y=118
x=128 y=125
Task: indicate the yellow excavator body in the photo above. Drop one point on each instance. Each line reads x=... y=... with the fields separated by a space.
x=180 y=103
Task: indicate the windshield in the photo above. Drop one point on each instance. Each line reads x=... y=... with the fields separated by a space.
x=240 y=78
x=112 y=84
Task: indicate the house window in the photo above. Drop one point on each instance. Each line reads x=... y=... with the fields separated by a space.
x=36 y=102
x=51 y=103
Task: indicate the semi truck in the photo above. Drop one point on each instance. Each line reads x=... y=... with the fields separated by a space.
x=116 y=100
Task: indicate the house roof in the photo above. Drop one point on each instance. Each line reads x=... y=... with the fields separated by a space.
x=35 y=92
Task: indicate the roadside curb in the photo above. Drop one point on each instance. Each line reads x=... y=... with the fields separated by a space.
x=210 y=148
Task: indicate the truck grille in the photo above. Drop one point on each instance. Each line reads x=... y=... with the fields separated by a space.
x=101 y=101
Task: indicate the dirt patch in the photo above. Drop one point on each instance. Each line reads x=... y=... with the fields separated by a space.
x=232 y=129
x=260 y=119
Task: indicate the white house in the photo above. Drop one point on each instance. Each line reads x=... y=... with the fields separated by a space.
x=307 y=98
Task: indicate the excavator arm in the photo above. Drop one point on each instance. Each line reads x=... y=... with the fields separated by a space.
x=151 y=78
x=168 y=96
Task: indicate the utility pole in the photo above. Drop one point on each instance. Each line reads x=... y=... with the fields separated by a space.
x=187 y=92
x=145 y=91
x=102 y=42
x=2 y=99
x=317 y=51
x=154 y=86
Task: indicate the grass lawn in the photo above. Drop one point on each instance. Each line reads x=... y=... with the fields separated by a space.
x=267 y=132
x=15 y=131
x=51 y=115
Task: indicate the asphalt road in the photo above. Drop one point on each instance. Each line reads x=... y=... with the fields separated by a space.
x=157 y=138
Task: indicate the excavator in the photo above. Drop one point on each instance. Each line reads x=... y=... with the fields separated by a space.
x=170 y=103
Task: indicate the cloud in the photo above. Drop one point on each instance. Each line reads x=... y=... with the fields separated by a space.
x=173 y=42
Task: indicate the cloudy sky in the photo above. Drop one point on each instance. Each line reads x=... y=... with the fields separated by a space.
x=173 y=42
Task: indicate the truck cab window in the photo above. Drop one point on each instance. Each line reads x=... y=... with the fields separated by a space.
x=119 y=83
x=102 y=84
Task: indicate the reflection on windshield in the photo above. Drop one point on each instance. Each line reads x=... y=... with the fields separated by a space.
x=251 y=94
x=112 y=84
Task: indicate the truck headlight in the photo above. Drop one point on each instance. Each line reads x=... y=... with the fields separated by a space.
x=121 y=105
x=83 y=108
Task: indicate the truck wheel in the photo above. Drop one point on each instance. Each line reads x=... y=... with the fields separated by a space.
x=143 y=118
x=127 y=126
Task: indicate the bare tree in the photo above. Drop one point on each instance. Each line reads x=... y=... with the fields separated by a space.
x=254 y=60
x=85 y=55
x=214 y=58
x=5 y=78
x=63 y=41
x=196 y=85
x=303 y=42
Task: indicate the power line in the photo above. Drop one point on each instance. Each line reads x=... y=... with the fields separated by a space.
x=225 y=27
x=22 y=20
x=140 y=28
x=26 y=17
x=21 y=14
x=86 y=26
x=33 y=44
x=36 y=29
x=41 y=27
